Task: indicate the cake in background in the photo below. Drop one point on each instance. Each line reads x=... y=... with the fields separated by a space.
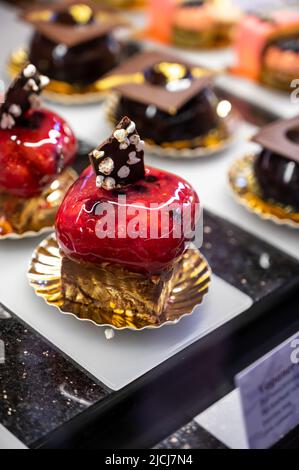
x=194 y=23
x=267 y=48
x=276 y=167
x=172 y=102
x=36 y=146
x=73 y=42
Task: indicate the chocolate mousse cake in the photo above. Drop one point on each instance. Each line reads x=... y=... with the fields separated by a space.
x=172 y=102
x=73 y=42
x=277 y=166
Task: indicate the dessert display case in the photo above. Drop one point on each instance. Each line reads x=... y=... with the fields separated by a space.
x=67 y=384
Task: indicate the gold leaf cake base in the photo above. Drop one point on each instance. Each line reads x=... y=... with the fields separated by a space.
x=191 y=285
x=245 y=187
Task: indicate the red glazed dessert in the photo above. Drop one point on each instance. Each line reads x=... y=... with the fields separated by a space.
x=36 y=145
x=118 y=246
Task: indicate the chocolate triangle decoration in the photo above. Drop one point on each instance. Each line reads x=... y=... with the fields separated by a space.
x=73 y=22
x=281 y=137
x=119 y=161
x=22 y=95
x=159 y=95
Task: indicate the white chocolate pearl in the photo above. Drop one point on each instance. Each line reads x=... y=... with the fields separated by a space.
x=44 y=81
x=29 y=71
x=140 y=146
x=106 y=166
x=109 y=333
x=15 y=110
x=123 y=172
x=124 y=145
x=131 y=128
x=133 y=159
x=135 y=139
x=99 y=181
x=120 y=135
x=7 y=121
x=31 y=85
x=109 y=183
x=98 y=153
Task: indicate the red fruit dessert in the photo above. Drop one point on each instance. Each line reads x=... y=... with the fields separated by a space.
x=122 y=229
x=36 y=145
x=267 y=48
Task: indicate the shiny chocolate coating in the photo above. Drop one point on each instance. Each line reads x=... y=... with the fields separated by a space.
x=78 y=65
x=196 y=118
x=278 y=178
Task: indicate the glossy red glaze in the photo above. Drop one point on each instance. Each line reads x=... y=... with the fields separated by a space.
x=33 y=153
x=80 y=221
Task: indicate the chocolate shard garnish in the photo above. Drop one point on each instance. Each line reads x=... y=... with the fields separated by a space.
x=167 y=99
x=119 y=161
x=281 y=137
x=22 y=95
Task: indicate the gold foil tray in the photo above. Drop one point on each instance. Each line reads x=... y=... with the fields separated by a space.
x=125 y=4
x=212 y=144
x=245 y=187
x=192 y=285
x=56 y=91
x=35 y=216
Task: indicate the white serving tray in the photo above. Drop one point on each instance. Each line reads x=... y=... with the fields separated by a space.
x=129 y=355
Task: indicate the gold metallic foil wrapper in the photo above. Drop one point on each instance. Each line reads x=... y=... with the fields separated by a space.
x=190 y=284
x=23 y=218
x=56 y=91
x=127 y=4
x=211 y=144
x=245 y=187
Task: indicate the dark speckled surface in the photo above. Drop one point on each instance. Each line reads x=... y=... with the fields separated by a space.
x=191 y=436
x=248 y=263
x=39 y=387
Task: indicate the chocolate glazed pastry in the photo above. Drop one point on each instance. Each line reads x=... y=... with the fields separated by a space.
x=278 y=178
x=83 y=55
x=172 y=102
x=81 y=64
x=277 y=166
x=196 y=118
